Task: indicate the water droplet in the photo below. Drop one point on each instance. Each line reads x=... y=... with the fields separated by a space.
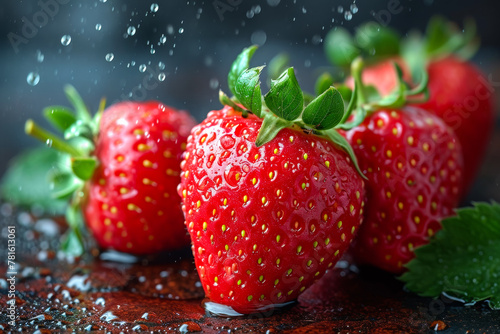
x=152 y=51
x=304 y=10
x=348 y=15
x=131 y=31
x=316 y=39
x=65 y=40
x=250 y=14
x=258 y=37
x=48 y=142
x=161 y=76
x=110 y=57
x=163 y=39
x=340 y=9
x=273 y=3
x=214 y=83
x=354 y=8
x=33 y=78
x=154 y=7
x=98 y=27
x=39 y=56
x=142 y=68
x=161 y=65
x=103 y=1
x=170 y=29
x=181 y=30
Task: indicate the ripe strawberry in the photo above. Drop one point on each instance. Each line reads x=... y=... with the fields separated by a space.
x=267 y=217
x=414 y=166
x=459 y=93
x=126 y=164
x=132 y=203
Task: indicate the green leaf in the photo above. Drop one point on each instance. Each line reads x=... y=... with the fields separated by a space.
x=462 y=260
x=413 y=52
x=83 y=167
x=325 y=111
x=239 y=65
x=82 y=112
x=277 y=65
x=270 y=127
x=247 y=89
x=376 y=40
x=285 y=98
x=345 y=91
x=60 y=117
x=27 y=181
x=438 y=34
x=340 y=47
x=340 y=141
x=324 y=81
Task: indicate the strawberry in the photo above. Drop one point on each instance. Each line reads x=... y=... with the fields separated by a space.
x=128 y=176
x=414 y=166
x=459 y=93
x=269 y=205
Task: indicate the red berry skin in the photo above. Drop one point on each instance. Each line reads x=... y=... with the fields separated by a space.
x=132 y=204
x=265 y=222
x=414 y=167
x=459 y=94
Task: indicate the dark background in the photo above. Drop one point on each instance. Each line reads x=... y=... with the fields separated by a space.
x=199 y=48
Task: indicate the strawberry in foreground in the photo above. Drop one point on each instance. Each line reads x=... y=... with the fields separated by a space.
x=459 y=93
x=414 y=167
x=126 y=170
x=271 y=200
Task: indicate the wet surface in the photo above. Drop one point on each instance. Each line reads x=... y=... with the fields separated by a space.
x=97 y=293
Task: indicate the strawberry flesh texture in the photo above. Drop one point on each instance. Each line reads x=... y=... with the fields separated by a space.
x=459 y=94
x=414 y=167
x=132 y=203
x=265 y=222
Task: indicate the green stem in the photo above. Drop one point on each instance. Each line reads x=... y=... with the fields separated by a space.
x=356 y=70
x=32 y=129
x=225 y=100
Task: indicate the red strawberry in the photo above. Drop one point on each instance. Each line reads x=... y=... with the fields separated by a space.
x=414 y=168
x=126 y=163
x=269 y=206
x=265 y=222
x=132 y=203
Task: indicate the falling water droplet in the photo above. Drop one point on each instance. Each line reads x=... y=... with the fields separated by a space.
x=110 y=57
x=154 y=7
x=181 y=30
x=348 y=15
x=98 y=27
x=131 y=31
x=340 y=9
x=161 y=65
x=170 y=29
x=273 y=3
x=354 y=8
x=163 y=39
x=39 y=56
x=304 y=10
x=65 y=40
x=142 y=68
x=48 y=142
x=33 y=78
x=161 y=76
x=214 y=83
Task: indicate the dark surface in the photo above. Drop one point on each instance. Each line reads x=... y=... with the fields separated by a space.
x=164 y=295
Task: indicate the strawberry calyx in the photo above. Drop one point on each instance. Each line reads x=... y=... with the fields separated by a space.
x=285 y=105
x=80 y=130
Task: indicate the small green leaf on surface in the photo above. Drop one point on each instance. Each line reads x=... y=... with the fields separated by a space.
x=27 y=182
x=323 y=82
x=247 y=89
x=60 y=117
x=462 y=260
x=285 y=98
x=83 y=167
x=325 y=111
x=340 y=47
x=239 y=65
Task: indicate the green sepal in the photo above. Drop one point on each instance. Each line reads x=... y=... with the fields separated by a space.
x=376 y=40
x=340 y=47
x=277 y=65
x=83 y=167
x=359 y=117
x=82 y=112
x=227 y=101
x=270 y=127
x=413 y=52
x=247 y=89
x=285 y=98
x=64 y=184
x=340 y=141
x=323 y=82
x=239 y=65
x=325 y=111
x=59 y=117
x=73 y=239
x=462 y=259
x=27 y=181
x=96 y=120
x=50 y=139
x=79 y=129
